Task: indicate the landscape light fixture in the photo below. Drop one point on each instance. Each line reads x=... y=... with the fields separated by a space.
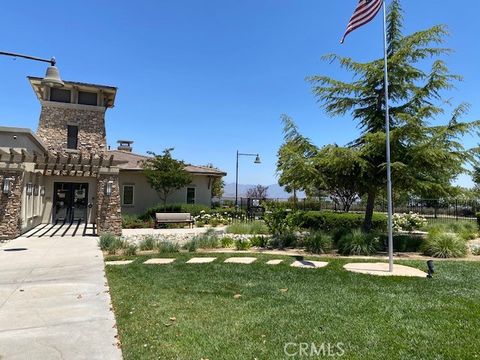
x=42 y=191
x=7 y=185
x=431 y=269
x=29 y=188
x=108 y=188
x=52 y=76
x=257 y=161
x=35 y=190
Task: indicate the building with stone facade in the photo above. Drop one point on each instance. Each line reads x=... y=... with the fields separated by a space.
x=66 y=173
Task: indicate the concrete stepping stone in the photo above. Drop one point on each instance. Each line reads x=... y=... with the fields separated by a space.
x=309 y=264
x=381 y=269
x=118 y=262
x=159 y=261
x=274 y=262
x=201 y=260
x=240 y=260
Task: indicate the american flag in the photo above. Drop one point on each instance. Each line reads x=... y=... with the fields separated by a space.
x=365 y=12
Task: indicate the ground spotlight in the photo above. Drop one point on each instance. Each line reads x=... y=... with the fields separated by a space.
x=431 y=268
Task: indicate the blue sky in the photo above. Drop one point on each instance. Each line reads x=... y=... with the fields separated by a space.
x=213 y=76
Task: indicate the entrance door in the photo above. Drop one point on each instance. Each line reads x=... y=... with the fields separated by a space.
x=70 y=202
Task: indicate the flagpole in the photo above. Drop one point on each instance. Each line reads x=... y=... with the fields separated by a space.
x=387 y=133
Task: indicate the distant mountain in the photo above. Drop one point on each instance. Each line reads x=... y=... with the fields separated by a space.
x=274 y=191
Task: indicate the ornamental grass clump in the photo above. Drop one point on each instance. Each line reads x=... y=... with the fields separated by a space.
x=165 y=246
x=147 y=243
x=444 y=245
x=105 y=241
x=318 y=242
x=358 y=243
x=243 y=244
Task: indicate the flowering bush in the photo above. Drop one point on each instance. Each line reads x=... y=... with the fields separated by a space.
x=408 y=222
x=214 y=219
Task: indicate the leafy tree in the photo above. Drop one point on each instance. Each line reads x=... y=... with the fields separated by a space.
x=340 y=171
x=257 y=192
x=218 y=184
x=425 y=158
x=295 y=167
x=165 y=174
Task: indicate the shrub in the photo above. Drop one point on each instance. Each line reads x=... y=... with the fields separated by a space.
x=193 y=209
x=467 y=230
x=254 y=227
x=279 y=220
x=284 y=240
x=135 y=222
x=227 y=242
x=259 y=241
x=318 y=242
x=165 y=246
x=330 y=221
x=147 y=243
x=106 y=241
x=444 y=245
x=243 y=244
x=405 y=243
x=358 y=243
x=478 y=219
x=130 y=250
x=408 y=222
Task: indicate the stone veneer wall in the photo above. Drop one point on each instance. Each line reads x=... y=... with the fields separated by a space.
x=11 y=206
x=52 y=127
x=109 y=216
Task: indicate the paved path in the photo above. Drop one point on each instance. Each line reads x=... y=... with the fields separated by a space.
x=54 y=302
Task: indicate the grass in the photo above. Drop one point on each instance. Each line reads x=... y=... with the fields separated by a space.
x=256 y=227
x=182 y=311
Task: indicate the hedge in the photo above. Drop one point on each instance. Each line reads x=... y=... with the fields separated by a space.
x=193 y=209
x=478 y=219
x=333 y=221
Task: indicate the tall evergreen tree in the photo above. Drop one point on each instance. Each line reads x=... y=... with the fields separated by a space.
x=425 y=158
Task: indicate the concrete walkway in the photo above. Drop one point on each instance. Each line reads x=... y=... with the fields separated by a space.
x=54 y=302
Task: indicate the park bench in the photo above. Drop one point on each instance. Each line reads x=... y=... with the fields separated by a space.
x=173 y=218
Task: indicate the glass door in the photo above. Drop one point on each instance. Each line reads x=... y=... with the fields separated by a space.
x=70 y=202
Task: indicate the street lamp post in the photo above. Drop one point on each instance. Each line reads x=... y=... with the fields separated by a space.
x=257 y=161
x=52 y=76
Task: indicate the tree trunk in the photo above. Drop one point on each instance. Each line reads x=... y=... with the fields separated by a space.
x=367 y=222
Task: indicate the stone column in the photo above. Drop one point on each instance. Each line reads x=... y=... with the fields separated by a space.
x=11 y=206
x=109 y=212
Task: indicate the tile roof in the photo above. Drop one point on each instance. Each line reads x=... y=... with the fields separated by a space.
x=133 y=161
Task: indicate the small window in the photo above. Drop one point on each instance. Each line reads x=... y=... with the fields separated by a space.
x=59 y=95
x=87 y=98
x=128 y=194
x=190 y=195
x=72 y=137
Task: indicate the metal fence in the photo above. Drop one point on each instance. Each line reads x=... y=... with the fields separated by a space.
x=432 y=209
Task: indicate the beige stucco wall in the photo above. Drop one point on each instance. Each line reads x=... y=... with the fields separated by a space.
x=145 y=196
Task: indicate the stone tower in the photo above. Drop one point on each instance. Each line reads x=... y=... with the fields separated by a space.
x=72 y=118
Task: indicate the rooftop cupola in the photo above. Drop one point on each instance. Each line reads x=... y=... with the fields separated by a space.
x=125 y=145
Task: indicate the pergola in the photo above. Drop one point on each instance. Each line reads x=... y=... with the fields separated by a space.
x=66 y=164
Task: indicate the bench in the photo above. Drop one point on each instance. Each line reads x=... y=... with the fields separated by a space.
x=173 y=218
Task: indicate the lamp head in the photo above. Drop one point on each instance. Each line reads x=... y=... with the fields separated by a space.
x=257 y=160
x=52 y=76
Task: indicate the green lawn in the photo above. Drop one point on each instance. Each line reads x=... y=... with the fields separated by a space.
x=373 y=317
